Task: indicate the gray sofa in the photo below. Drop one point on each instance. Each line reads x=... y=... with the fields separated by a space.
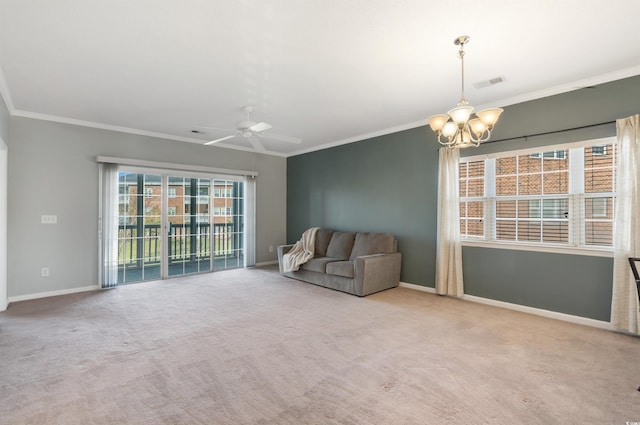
x=357 y=263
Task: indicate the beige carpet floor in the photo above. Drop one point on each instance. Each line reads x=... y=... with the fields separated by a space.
x=251 y=347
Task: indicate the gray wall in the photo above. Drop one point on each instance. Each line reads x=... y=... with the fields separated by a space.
x=4 y=120
x=53 y=170
x=389 y=183
x=385 y=184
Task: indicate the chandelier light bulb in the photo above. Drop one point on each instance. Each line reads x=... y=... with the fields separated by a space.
x=449 y=129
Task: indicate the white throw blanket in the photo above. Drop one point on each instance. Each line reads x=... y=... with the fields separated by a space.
x=301 y=252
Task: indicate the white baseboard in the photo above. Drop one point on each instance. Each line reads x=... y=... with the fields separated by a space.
x=521 y=308
x=418 y=287
x=52 y=293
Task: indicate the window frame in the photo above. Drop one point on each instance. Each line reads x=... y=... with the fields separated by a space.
x=575 y=195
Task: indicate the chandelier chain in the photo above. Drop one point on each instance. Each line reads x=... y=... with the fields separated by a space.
x=463 y=101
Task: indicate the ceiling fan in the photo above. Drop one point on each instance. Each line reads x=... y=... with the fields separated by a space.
x=251 y=131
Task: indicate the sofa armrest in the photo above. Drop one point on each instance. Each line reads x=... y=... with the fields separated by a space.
x=282 y=249
x=377 y=272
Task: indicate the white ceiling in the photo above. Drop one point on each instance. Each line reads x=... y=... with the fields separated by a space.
x=325 y=71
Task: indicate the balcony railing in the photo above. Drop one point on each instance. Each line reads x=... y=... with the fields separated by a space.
x=184 y=242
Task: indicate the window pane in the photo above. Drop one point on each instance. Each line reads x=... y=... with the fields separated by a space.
x=555 y=231
x=475 y=209
x=529 y=231
x=505 y=230
x=530 y=184
x=529 y=164
x=598 y=233
x=472 y=179
x=529 y=208
x=598 y=208
x=476 y=169
x=462 y=169
x=555 y=208
x=556 y=182
x=505 y=209
x=475 y=227
x=599 y=168
x=598 y=180
x=555 y=160
x=505 y=166
x=463 y=188
x=475 y=187
x=506 y=186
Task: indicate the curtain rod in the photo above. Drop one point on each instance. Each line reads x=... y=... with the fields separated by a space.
x=525 y=137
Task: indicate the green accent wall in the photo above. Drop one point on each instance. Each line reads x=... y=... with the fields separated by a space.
x=570 y=284
x=385 y=184
x=389 y=183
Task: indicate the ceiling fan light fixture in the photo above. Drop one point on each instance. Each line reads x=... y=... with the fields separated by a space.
x=460 y=128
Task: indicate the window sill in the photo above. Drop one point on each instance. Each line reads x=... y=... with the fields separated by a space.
x=558 y=249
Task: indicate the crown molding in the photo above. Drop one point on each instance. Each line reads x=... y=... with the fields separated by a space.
x=574 y=85
x=4 y=92
x=129 y=130
x=538 y=94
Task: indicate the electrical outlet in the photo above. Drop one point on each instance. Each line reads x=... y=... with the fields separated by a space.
x=270 y=248
x=44 y=272
x=49 y=219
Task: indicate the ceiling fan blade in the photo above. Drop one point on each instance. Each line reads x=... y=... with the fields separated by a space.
x=211 y=142
x=260 y=126
x=214 y=128
x=256 y=144
x=282 y=138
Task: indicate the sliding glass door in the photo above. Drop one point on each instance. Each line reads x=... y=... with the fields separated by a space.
x=189 y=221
x=228 y=224
x=172 y=225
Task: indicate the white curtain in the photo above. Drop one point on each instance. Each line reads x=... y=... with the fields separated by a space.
x=449 y=249
x=108 y=225
x=250 y=221
x=624 y=303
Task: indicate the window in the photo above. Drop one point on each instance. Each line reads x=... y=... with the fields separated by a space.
x=223 y=192
x=472 y=198
x=123 y=192
x=171 y=192
x=599 y=150
x=561 y=197
x=171 y=211
x=148 y=192
x=560 y=154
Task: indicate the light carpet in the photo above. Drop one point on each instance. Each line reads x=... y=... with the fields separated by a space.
x=252 y=347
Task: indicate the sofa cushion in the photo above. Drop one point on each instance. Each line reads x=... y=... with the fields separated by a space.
x=340 y=268
x=340 y=245
x=323 y=236
x=372 y=243
x=318 y=264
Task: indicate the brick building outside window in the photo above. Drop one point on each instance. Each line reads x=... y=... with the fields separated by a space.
x=562 y=195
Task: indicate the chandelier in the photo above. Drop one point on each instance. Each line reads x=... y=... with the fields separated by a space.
x=458 y=128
